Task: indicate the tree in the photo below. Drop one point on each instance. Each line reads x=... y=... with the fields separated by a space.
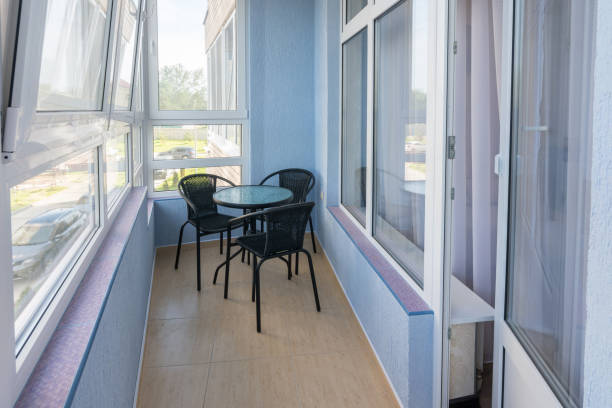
x=181 y=89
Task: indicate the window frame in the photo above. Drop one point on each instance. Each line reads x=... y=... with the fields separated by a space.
x=71 y=133
x=241 y=112
x=240 y=116
x=431 y=288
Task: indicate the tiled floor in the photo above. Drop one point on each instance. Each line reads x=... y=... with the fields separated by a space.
x=204 y=351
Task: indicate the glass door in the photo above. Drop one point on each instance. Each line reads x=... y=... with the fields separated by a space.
x=540 y=334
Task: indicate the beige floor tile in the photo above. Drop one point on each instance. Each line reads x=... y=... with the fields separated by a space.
x=335 y=381
x=260 y=383
x=179 y=341
x=237 y=337
x=177 y=387
x=301 y=358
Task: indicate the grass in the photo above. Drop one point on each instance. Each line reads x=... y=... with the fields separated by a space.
x=24 y=198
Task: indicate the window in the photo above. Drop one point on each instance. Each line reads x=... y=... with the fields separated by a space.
x=196 y=141
x=52 y=217
x=354 y=107
x=353 y=7
x=74 y=55
x=126 y=48
x=167 y=179
x=550 y=190
x=197 y=93
x=115 y=177
x=386 y=61
x=400 y=133
x=196 y=61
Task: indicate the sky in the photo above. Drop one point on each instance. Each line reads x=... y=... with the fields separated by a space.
x=181 y=32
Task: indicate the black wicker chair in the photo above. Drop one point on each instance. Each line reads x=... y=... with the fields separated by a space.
x=197 y=190
x=300 y=182
x=283 y=236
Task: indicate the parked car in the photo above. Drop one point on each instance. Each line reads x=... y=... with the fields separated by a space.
x=39 y=240
x=177 y=153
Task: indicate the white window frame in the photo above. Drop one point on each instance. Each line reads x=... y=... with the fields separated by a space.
x=432 y=289
x=75 y=132
x=240 y=116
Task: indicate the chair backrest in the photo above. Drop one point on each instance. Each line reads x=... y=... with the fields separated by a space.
x=285 y=227
x=197 y=190
x=299 y=181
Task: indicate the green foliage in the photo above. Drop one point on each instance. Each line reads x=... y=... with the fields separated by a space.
x=181 y=89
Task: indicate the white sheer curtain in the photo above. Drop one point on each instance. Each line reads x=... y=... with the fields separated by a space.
x=477 y=141
x=477 y=85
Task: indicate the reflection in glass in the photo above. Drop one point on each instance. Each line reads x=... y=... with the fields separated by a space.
x=196 y=141
x=400 y=133
x=73 y=56
x=127 y=48
x=353 y=7
x=550 y=189
x=52 y=214
x=115 y=177
x=354 y=135
x=167 y=179
x=197 y=62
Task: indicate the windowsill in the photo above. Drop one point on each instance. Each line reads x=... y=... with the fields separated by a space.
x=407 y=297
x=57 y=372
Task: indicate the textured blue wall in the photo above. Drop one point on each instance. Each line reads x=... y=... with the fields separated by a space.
x=403 y=343
x=281 y=42
x=110 y=373
x=598 y=336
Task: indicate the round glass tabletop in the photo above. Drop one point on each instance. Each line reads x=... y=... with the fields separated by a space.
x=253 y=196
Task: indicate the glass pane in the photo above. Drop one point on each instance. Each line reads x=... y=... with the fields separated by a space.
x=52 y=215
x=137 y=146
x=354 y=99
x=197 y=62
x=400 y=133
x=353 y=7
x=73 y=56
x=127 y=48
x=115 y=177
x=196 y=141
x=167 y=179
x=550 y=179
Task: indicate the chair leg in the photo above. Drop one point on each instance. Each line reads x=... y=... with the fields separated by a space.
x=221 y=243
x=314 y=282
x=289 y=268
x=178 y=248
x=198 y=257
x=227 y=267
x=258 y=297
x=314 y=246
x=297 y=263
x=253 y=284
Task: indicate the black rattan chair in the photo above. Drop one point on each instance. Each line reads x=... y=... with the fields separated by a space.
x=300 y=182
x=284 y=235
x=197 y=190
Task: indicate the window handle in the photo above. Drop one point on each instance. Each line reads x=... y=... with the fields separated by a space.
x=535 y=128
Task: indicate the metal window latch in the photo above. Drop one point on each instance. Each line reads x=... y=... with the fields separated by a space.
x=451 y=147
x=9 y=136
x=452 y=193
x=449 y=333
x=498 y=164
x=454 y=47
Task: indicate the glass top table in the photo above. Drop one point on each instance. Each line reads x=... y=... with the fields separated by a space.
x=253 y=197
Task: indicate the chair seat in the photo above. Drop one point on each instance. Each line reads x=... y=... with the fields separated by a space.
x=212 y=223
x=256 y=243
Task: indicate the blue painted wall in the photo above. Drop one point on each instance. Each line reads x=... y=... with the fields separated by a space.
x=110 y=373
x=598 y=336
x=281 y=42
